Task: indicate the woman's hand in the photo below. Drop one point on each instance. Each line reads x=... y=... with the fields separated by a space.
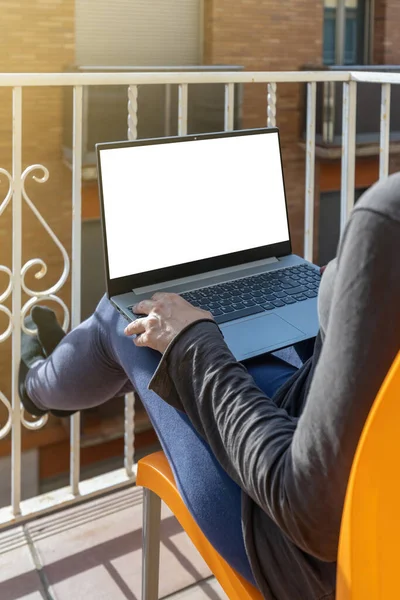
x=166 y=316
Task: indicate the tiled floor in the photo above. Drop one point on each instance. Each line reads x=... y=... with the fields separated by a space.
x=93 y=551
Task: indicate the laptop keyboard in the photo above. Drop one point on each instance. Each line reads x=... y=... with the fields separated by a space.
x=256 y=294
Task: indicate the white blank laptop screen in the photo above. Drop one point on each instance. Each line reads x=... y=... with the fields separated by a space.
x=174 y=203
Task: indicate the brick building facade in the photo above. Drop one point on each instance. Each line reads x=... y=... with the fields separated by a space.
x=37 y=36
x=262 y=36
x=271 y=36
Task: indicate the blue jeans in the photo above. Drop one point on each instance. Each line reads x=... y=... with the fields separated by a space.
x=97 y=362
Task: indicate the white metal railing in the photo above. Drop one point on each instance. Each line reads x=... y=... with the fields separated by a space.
x=16 y=194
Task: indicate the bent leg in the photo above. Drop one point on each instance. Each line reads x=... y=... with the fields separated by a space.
x=91 y=365
x=213 y=499
x=82 y=371
x=269 y=372
x=94 y=362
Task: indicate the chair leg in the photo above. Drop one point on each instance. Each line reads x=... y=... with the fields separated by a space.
x=151 y=544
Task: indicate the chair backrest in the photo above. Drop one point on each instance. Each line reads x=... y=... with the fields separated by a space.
x=369 y=548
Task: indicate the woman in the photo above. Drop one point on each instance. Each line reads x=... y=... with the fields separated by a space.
x=261 y=453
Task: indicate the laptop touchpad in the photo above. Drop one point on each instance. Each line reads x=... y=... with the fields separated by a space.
x=259 y=334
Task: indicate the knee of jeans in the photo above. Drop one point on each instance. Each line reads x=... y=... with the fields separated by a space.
x=105 y=310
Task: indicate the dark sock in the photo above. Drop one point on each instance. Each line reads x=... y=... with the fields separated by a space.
x=31 y=352
x=50 y=333
x=38 y=347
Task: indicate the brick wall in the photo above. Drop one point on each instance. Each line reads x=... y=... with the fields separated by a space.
x=270 y=35
x=37 y=36
x=387 y=32
x=379 y=32
x=387 y=46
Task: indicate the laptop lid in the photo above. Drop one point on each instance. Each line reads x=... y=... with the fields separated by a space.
x=180 y=206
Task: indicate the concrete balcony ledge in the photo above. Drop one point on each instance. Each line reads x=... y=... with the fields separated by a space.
x=94 y=551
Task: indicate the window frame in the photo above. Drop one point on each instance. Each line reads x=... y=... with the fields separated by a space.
x=341 y=32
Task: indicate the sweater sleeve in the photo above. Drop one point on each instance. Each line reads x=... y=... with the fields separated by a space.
x=297 y=470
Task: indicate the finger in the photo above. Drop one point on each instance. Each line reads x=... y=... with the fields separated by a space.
x=164 y=296
x=136 y=327
x=143 y=307
x=141 y=340
x=160 y=295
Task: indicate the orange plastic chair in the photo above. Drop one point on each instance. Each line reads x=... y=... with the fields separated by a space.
x=369 y=547
x=370 y=530
x=155 y=475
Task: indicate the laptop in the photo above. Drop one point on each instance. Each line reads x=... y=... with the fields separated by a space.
x=205 y=216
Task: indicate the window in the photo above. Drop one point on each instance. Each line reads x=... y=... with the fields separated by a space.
x=137 y=32
x=329 y=35
x=346 y=32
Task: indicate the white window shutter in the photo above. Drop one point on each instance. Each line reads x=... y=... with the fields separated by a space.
x=138 y=32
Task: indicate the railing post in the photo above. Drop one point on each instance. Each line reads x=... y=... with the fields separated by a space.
x=229 y=118
x=129 y=423
x=132 y=112
x=310 y=171
x=16 y=298
x=384 y=132
x=129 y=433
x=76 y=268
x=167 y=110
x=271 y=106
x=328 y=111
x=348 y=151
x=183 y=109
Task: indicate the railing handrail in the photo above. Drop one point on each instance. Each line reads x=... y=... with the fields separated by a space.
x=373 y=77
x=75 y=79
x=191 y=77
x=153 y=69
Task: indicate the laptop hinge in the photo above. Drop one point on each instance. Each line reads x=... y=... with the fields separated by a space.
x=237 y=270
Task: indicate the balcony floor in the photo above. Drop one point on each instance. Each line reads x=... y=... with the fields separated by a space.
x=94 y=551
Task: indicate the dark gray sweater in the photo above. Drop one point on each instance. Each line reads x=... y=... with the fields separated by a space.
x=292 y=454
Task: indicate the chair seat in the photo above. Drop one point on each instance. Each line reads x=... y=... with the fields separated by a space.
x=154 y=473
